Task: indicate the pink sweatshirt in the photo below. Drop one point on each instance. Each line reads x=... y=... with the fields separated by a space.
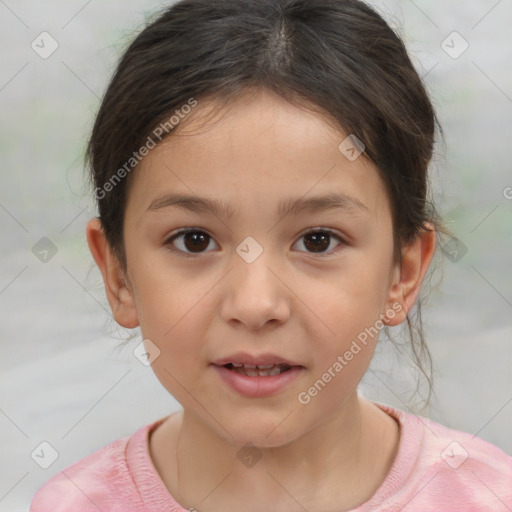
x=436 y=469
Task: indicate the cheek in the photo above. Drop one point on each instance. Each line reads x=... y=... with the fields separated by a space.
x=342 y=353
x=345 y=334
x=346 y=305
x=172 y=314
x=165 y=297
x=172 y=320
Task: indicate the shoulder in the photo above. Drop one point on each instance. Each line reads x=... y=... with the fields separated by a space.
x=100 y=481
x=458 y=469
x=454 y=449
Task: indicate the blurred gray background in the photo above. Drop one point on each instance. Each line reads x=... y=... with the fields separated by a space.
x=64 y=379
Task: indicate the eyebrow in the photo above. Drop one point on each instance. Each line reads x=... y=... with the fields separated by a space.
x=289 y=206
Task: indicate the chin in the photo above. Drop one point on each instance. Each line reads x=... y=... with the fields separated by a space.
x=262 y=429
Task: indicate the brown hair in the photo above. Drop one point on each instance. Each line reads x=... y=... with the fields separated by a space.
x=337 y=56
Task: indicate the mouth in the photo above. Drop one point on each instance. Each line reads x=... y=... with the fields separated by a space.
x=254 y=370
x=257 y=376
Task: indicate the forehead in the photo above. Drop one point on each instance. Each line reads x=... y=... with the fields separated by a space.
x=260 y=149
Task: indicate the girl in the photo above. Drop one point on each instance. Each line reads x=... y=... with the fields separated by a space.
x=260 y=168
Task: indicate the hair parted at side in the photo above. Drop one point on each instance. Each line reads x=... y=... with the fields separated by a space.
x=338 y=57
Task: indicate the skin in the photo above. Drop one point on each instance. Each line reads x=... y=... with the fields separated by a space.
x=334 y=452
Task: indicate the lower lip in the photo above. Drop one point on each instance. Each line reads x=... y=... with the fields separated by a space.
x=257 y=387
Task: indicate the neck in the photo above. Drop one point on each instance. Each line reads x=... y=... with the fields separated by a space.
x=345 y=454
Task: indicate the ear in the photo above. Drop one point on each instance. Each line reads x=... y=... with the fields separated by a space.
x=407 y=278
x=119 y=293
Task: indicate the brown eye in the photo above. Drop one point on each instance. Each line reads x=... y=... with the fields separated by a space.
x=319 y=241
x=189 y=241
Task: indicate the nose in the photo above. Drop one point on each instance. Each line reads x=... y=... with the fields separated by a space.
x=255 y=294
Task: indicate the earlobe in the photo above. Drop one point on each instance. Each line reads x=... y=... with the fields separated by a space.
x=119 y=294
x=407 y=279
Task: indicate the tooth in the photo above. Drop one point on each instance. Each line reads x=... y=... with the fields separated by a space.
x=265 y=366
x=237 y=365
x=260 y=372
x=249 y=366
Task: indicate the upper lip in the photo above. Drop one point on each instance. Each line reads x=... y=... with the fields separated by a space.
x=255 y=359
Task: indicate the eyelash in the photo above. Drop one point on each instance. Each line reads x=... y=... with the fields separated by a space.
x=331 y=233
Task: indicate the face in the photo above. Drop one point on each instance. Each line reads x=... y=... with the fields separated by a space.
x=256 y=281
